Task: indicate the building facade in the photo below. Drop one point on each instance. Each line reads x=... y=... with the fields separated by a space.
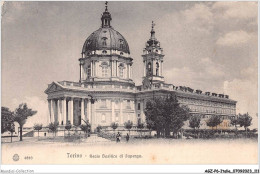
x=106 y=92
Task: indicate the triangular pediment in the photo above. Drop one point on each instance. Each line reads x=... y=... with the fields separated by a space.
x=53 y=87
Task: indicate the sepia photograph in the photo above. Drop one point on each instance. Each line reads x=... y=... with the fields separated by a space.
x=129 y=82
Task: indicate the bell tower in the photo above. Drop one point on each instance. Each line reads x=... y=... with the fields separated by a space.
x=153 y=61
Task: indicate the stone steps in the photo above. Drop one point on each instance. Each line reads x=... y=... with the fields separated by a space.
x=95 y=138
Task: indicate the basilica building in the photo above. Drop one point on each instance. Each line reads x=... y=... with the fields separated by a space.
x=106 y=92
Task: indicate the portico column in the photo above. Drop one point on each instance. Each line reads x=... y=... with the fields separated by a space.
x=142 y=110
x=92 y=116
x=59 y=111
x=64 y=110
x=71 y=111
x=89 y=111
x=53 y=111
x=50 y=111
x=82 y=109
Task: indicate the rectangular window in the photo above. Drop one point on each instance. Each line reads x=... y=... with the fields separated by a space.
x=139 y=106
x=128 y=106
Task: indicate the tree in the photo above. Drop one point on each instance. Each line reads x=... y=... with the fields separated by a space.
x=114 y=126
x=68 y=126
x=20 y=116
x=245 y=121
x=194 y=122
x=140 y=126
x=128 y=125
x=11 y=128
x=234 y=122
x=37 y=127
x=53 y=127
x=85 y=127
x=99 y=128
x=153 y=113
x=6 y=119
x=214 y=121
x=165 y=114
x=149 y=125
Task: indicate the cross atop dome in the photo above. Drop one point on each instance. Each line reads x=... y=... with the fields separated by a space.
x=153 y=24
x=153 y=32
x=106 y=5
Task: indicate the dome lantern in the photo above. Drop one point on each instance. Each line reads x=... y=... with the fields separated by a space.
x=106 y=18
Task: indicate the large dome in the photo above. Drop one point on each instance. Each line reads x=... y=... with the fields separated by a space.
x=105 y=38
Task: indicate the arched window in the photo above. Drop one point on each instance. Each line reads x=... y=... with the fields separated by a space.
x=89 y=71
x=104 y=66
x=157 y=68
x=104 y=52
x=149 y=68
x=121 y=70
x=104 y=41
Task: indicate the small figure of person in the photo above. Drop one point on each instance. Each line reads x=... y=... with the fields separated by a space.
x=118 y=137
x=127 y=137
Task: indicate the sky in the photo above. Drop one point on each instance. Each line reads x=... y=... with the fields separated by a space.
x=211 y=46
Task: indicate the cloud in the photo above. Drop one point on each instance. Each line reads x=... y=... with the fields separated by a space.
x=245 y=91
x=237 y=10
x=198 y=13
x=203 y=75
x=246 y=94
x=234 y=38
x=37 y=104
